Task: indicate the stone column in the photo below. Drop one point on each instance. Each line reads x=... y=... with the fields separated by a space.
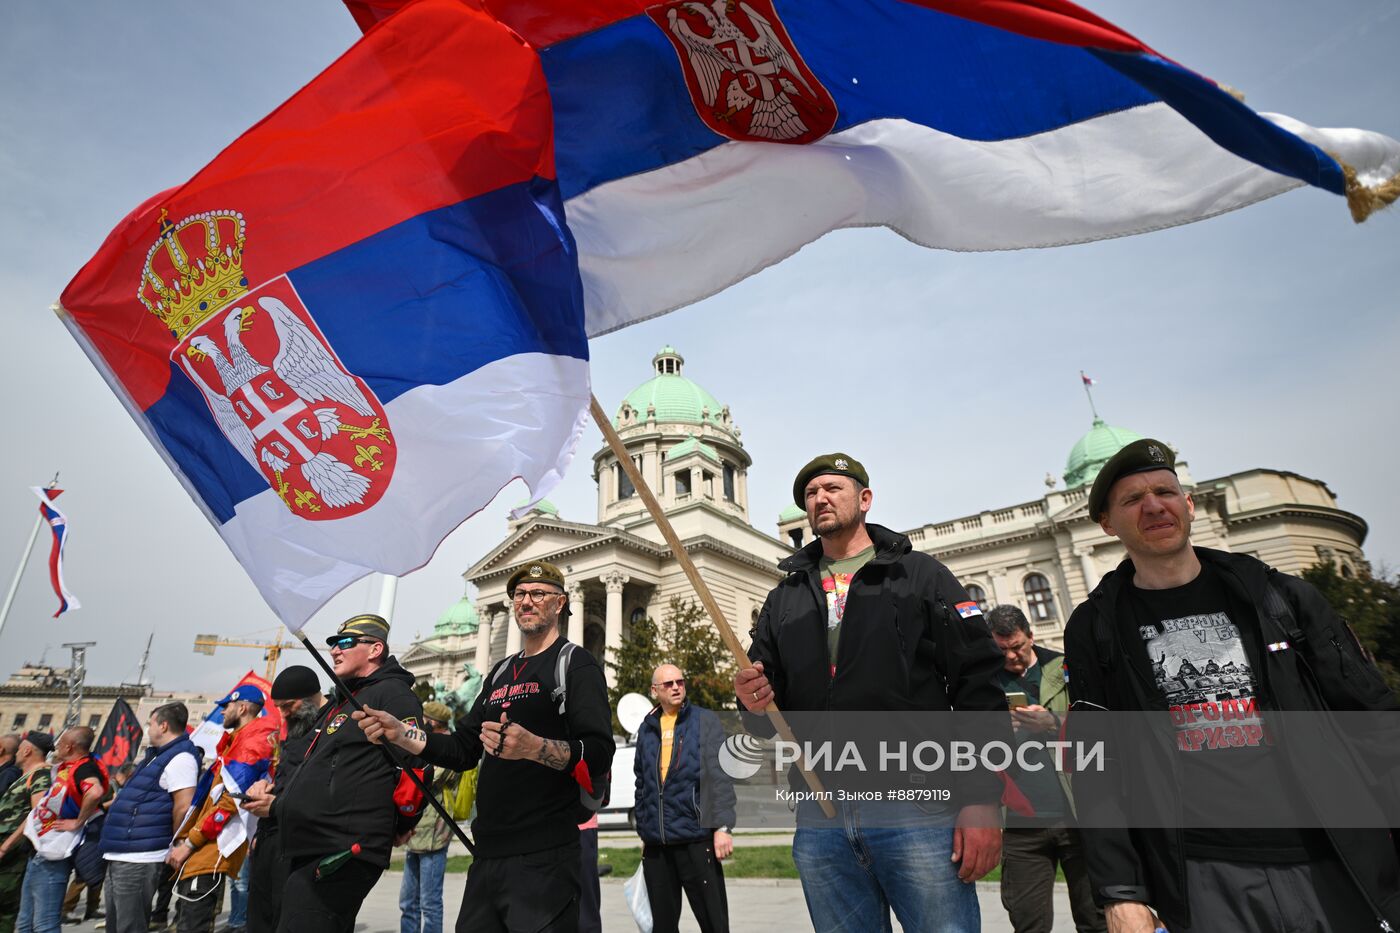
x=484 y=615
x=1001 y=593
x=1086 y=566
x=613 y=582
x=576 y=614
x=512 y=634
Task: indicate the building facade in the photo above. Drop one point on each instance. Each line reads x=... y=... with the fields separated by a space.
x=36 y=697
x=1044 y=555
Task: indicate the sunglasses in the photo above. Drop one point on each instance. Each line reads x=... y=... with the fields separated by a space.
x=349 y=641
x=668 y=684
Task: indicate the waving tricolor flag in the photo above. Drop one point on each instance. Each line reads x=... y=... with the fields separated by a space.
x=699 y=141
x=239 y=759
x=58 y=524
x=360 y=321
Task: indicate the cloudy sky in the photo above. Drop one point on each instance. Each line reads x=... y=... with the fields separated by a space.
x=1267 y=337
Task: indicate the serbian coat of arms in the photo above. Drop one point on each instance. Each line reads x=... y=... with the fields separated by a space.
x=274 y=386
x=746 y=77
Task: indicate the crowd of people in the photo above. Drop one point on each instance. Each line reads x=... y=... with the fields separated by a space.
x=299 y=823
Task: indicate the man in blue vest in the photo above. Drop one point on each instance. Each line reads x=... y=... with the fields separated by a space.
x=145 y=816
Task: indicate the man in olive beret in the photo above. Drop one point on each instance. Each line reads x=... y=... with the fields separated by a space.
x=541 y=750
x=1182 y=615
x=859 y=601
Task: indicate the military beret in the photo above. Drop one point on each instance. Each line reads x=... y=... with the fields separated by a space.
x=367 y=624
x=40 y=740
x=535 y=572
x=838 y=463
x=1138 y=457
x=295 y=683
x=438 y=712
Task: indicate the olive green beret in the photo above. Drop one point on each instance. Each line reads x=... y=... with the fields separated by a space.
x=1138 y=457
x=838 y=463
x=367 y=624
x=535 y=572
x=438 y=712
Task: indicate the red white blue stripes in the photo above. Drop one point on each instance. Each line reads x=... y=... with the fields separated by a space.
x=57 y=521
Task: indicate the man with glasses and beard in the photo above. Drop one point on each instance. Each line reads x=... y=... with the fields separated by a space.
x=346 y=793
x=543 y=748
x=297 y=695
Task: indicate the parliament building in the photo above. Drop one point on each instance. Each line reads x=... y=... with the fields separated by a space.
x=1044 y=556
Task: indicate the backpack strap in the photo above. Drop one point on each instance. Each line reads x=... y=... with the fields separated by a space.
x=1281 y=614
x=499 y=670
x=560 y=693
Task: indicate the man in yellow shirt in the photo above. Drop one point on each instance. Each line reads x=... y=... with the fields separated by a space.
x=684 y=807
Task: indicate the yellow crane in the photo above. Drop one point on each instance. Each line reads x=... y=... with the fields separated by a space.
x=272 y=650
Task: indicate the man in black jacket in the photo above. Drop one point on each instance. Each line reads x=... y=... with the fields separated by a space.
x=545 y=748
x=684 y=807
x=1201 y=637
x=346 y=792
x=866 y=623
x=297 y=695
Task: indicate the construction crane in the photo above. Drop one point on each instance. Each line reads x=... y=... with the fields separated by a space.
x=272 y=650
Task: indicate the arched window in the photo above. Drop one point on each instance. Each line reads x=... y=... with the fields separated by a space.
x=1040 y=601
x=978 y=596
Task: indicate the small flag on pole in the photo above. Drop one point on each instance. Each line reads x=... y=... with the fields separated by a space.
x=120 y=738
x=58 y=522
x=1088 y=380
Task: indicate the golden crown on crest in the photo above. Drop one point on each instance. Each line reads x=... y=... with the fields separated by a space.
x=193 y=269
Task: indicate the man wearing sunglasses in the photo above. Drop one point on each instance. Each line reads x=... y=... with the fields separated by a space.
x=346 y=792
x=684 y=809
x=541 y=752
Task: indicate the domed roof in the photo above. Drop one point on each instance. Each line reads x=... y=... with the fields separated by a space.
x=459 y=619
x=544 y=506
x=790 y=514
x=691 y=445
x=1092 y=451
x=674 y=397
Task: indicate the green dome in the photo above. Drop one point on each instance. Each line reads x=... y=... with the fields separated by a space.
x=1092 y=451
x=459 y=619
x=675 y=398
x=790 y=514
x=544 y=505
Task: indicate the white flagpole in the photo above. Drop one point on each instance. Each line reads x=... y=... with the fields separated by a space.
x=23 y=562
x=388 y=592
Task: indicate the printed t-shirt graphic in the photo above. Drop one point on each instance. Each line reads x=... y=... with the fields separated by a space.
x=836 y=583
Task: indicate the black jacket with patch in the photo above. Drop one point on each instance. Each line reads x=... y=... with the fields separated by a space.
x=1324 y=669
x=903 y=646
x=343 y=791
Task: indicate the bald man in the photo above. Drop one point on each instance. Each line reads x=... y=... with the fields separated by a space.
x=684 y=807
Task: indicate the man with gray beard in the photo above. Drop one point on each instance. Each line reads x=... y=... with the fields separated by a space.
x=297 y=695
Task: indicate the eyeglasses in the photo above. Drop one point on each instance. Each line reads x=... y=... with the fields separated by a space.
x=668 y=684
x=345 y=643
x=534 y=596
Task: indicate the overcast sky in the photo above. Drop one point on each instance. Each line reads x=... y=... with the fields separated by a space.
x=1265 y=338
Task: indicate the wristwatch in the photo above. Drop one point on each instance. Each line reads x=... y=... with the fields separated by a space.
x=727 y=830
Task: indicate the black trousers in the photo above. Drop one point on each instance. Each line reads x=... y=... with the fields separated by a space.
x=533 y=893
x=266 y=879
x=1318 y=897
x=1028 y=860
x=690 y=867
x=590 y=894
x=328 y=905
x=199 y=901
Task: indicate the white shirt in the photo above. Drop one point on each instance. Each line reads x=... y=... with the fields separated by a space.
x=180 y=772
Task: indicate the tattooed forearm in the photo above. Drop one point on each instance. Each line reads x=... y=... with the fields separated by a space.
x=414 y=736
x=554 y=753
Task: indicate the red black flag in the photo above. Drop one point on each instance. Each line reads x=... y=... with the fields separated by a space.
x=120 y=737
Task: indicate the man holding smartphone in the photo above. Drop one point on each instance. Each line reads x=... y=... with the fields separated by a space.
x=1043 y=836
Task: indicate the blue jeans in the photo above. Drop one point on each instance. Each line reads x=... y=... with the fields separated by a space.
x=420 y=895
x=238 y=897
x=41 y=896
x=876 y=856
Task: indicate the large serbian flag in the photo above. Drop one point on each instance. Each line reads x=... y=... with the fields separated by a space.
x=53 y=516
x=363 y=318
x=960 y=124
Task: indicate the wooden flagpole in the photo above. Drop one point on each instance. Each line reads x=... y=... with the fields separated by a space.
x=707 y=598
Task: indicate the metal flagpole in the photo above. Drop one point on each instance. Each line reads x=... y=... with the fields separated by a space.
x=388 y=593
x=1087 y=383
x=23 y=562
x=389 y=753
x=707 y=599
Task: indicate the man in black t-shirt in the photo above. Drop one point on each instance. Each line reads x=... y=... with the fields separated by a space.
x=1214 y=640
x=541 y=755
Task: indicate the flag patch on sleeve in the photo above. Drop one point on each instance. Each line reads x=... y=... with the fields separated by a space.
x=968 y=610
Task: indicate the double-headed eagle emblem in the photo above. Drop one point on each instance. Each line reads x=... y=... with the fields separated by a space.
x=747 y=80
